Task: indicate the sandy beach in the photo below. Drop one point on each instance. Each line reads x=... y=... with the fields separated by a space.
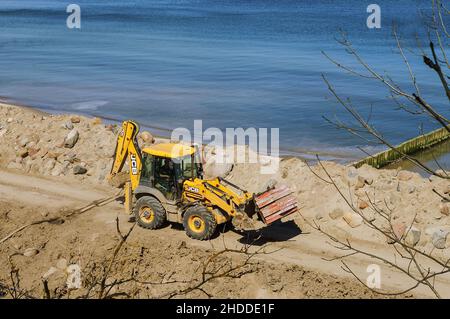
x=42 y=178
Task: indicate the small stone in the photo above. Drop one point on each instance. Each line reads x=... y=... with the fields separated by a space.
x=71 y=139
x=3 y=131
x=336 y=213
x=27 y=164
x=70 y=157
x=48 y=166
x=24 y=141
x=404 y=176
x=57 y=170
x=353 y=219
x=411 y=189
x=363 y=205
x=369 y=180
x=32 y=152
x=79 y=170
x=399 y=229
x=412 y=236
x=10 y=120
x=319 y=215
x=23 y=153
x=30 y=252
x=147 y=137
x=68 y=125
x=439 y=238
x=32 y=144
x=75 y=119
x=53 y=154
x=182 y=245
x=360 y=183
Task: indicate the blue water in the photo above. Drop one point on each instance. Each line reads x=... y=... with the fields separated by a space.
x=230 y=63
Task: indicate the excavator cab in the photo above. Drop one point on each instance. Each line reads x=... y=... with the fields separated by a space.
x=168 y=174
x=166 y=184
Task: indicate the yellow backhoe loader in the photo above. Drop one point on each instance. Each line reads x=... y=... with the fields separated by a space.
x=166 y=184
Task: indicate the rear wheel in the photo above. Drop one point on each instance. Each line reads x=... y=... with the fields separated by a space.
x=199 y=223
x=149 y=212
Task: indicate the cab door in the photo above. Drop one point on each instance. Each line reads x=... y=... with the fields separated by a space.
x=147 y=171
x=164 y=177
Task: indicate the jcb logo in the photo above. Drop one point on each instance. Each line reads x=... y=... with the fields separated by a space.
x=193 y=189
x=134 y=169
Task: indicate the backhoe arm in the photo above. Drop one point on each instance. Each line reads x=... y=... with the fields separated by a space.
x=128 y=148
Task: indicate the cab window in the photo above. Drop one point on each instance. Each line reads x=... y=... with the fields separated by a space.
x=147 y=166
x=185 y=166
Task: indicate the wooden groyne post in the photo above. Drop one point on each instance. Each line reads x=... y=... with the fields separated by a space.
x=409 y=147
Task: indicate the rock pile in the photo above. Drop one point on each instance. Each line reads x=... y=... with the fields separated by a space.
x=405 y=196
x=58 y=145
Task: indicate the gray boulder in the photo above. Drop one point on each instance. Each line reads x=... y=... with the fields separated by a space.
x=71 y=139
x=412 y=236
x=79 y=170
x=353 y=220
x=30 y=252
x=439 y=238
x=68 y=125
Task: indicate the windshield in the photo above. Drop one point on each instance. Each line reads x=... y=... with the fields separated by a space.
x=184 y=167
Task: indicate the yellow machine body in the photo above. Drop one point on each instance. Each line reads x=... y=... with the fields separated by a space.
x=182 y=188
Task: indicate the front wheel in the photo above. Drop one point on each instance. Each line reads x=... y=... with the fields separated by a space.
x=149 y=212
x=199 y=223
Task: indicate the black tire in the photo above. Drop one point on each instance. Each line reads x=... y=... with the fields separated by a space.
x=149 y=212
x=199 y=223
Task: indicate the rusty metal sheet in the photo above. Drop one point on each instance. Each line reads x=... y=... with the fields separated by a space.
x=275 y=204
x=272 y=195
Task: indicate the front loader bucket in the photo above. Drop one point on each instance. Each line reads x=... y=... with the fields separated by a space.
x=275 y=204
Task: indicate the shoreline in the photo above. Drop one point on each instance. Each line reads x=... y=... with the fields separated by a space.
x=285 y=151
